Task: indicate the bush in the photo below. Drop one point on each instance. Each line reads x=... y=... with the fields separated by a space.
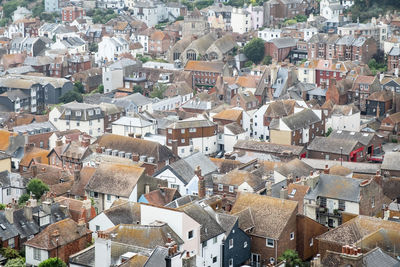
x=52 y=262
x=17 y=262
x=254 y=50
x=267 y=60
x=137 y=89
x=24 y=198
x=248 y=64
x=101 y=89
x=71 y=96
x=9 y=253
x=78 y=86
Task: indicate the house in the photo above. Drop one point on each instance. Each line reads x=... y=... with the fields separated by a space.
x=91 y=79
x=355 y=196
x=344 y=118
x=279 y=10
x=331 y=10
x=38 y=133
x=231 y=133
x=89 y=118
x=69 y=155
x=393 y=59
x=359 y=229
x=113 y=181
x=110 y=48
x=390 y=165
x=12 y=186
x=197 y=49
x=184 y=174
x=71 y=13
x=379 y=103
x=279 y=48
x=269 y=34
x=135 y=102
x=391 y=84
x=221 y=48
x=241 y=20
x=390 y=124
x=79 y=209
x=245 y=100
x=124 y=70
x=21 y=13
x=297 y=129
x=5 y=162
x=32 y=46
x=192 y=134
x=134 y=126
x=235 y=182
x=362 y=88
x=31 y=156
x=291 y=170
x=121 y=212
x=159 y=43
x=268 y=238
x=151 y=154
x=60 y=240
x=322 y=46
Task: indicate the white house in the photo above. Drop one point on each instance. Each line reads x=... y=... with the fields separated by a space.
x=110 y=48
x=137 y=125
x=74 y=45
x=87 y=118
x=331 y=9
x=309 y=32
x=232 y=133
x=259 y=130
x=21 y=13
x=11 y=187
x=344 y=117
x=268 y=34
x=241 y=21
x=148 y=11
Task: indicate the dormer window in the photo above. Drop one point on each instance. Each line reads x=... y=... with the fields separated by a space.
x=68 y=112
x=97 y=111
x=90 y=112
x=78 y=113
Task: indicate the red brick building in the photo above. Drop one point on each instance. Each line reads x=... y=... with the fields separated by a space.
x=70 y=13
x=279 y=48
x=322 y=46
x=393 y=59
x=204 y=73
x=159 y=43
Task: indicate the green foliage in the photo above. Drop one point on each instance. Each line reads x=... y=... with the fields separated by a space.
x=142 y=58
x=78 y=86
x=376 y=66
x=290 y=22
x=366 y=9
x=9 y=253
x=71 y=96
x=52 y=262
x=102 y=16
x=267 y=60
x=394 y=140
x=236 y=3
x=2 y=206
x=24 y=198
x=101 y=89
x=37 y=187
x=137 y=89
x=93 y=47
x=330 y=130
x=254 y=50
x=203 y=4
x=4 y=22
x=9 y=8
x=158 y=91
x=301 y=18
x=17 y=262
x=292 y=258
x=179 y=18
x=248 y=64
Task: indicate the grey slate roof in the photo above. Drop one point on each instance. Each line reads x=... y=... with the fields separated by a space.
x=300 y=119
x=377 y=257
x=336 y=187
x=295 y=167
x=125 y=213
x=332 y=145
x=395 y=51
x=157 y=257
x=181 y=201
x=362 y=137
x=10 y=230
x=284 y=42
x=37 y=127
x=391 y=161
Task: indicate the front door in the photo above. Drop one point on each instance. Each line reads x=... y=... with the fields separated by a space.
x=255 y=260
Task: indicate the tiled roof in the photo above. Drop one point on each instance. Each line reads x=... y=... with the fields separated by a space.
x=238 y=177
x=365 y=79
x=296 y=192
x=278 y=211
x=228 y=114
x=123 y=212
x=162 y=196
x=266 y=147
x=205 y=66
x=37 y=154
x=4 y=139
x=68 y=229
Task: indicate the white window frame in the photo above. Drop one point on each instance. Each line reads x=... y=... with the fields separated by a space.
x=188 y=235
x=220 y=187
x=267 y=241
x=231 y=189
x=230 y=243
x=291 y=235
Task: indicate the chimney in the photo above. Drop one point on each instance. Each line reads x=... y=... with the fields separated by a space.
x=77 y=174
x=32 y=201
x=131 y=135
x=99 y=150
x=68 y=140
x=55 y=235
x=28 y=147
x=34 y=169
x=378 y=177
x=9 y=213
x=283 y=193
x=326 y=170
x=81 y=225
x=28 y=211
x=102 y=248
x=201 y=183
x=46 y=207
x=85 y=142
x=135 y=157
x=174 y=145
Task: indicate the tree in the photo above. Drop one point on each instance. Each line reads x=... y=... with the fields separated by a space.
x=267 y=60
x=37 y=187
x=291 y=257
x=330 y=130
x=248 y=64
x=17 y=262
x=9 y=253
x=158 y=91
x=71 y=96
x=23 y=198
x=93 y=47
x=254 y=50
x=137 y=89
x=52 y=262
x=78 y=86
x=101 y=89
x=2 y=206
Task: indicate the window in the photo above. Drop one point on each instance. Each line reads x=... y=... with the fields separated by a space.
x=291 y=235
x=108 y=197
x=231 y=189
x=220 y=187
x=311 y=242
x=41 y=144
x=230 y=262
x=182 y=141
x=270 y=242
x=245 y=244
x=205 y=244
x=192 y=130
x=97 y=228
x=190 y=234
x=215 y=259
x=8 y=191
x=36 y=254
x=373 y=202
x=230 y=243
x=97 y=111
x=94 y=194
x=215 y=240
x=183 y=131
x=77 y=123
